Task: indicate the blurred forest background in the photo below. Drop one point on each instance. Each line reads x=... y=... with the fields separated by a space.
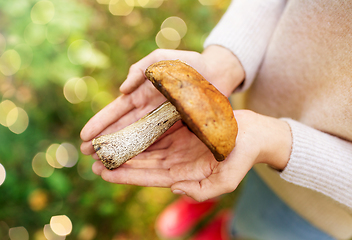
x=61 y=61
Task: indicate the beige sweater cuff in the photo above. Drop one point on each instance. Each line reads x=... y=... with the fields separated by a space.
x=321 y=162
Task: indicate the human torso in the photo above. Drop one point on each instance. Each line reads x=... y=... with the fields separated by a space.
x=307 y=71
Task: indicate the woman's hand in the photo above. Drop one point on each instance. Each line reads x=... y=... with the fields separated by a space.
x=183 y=163
x=218 y=65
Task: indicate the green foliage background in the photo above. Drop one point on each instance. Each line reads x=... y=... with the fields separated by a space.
x=97 y=209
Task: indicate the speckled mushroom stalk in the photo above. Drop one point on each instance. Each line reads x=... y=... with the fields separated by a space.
x=116 y=148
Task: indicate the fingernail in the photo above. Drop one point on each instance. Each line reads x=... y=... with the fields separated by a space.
x=179 y=192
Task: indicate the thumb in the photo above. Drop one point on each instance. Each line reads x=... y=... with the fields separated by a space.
x=134 y=79
x=205 y=189
x=136 y=76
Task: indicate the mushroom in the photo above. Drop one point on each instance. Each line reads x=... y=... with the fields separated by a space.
x=206 y=112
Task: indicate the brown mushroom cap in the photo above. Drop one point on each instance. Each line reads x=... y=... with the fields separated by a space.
x=205 y=110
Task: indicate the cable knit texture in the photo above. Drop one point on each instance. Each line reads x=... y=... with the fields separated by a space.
x=321 y=162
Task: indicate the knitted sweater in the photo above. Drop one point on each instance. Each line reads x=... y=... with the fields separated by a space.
x=297 y=57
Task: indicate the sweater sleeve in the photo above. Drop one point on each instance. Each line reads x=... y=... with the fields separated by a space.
x=245 y=29
x=321 y=162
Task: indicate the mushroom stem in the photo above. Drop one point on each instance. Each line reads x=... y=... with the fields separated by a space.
x=116 y=148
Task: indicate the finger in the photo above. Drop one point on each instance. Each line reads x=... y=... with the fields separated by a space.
x=136 y=76
x=192 y=168
x=140 y=177
x=202 y=190
x=95 y=157
x=159 y=154
x=98 y=167
x=87 y=148
x=136 y=163
x=111 y=113
x=134 y=79
x=131 y=117
x=157 y=159
x=224 y=179
x=142 y=163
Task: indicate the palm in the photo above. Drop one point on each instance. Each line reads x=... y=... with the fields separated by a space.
x=176 y=151
x=123 y=111
x=138 y=103
x=178 y=157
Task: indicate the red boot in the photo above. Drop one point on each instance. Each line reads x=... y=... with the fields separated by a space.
x=180 y=217
x=215 y=229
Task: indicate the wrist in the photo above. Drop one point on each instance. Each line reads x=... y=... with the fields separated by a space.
x=277 y=149
x=262 y=139
x=225 y=70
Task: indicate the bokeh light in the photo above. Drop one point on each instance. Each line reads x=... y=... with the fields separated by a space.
x=75 y=90
x=42 y=12
x=18 y=233
x=121 y=7
x=67 y=155
x=87 y=232
x=2 y=174
x=12 y=116
x=38 y=199
x=168 y=38
x=10 y=62
x=92 y=87
x=56 y=156
x=18 y=8
x=40 y=165
x=61 y=225
x=79 y=52
x=5 y=107
x=172 y=30
x=50 y=235
x=17 y=120
x=150 y=3
x=98 y=59
x=34 y=34
x=176 y=23
x=51 y=156
x=39 y=235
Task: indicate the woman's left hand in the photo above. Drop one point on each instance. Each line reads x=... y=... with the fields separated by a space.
x=183 y=163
